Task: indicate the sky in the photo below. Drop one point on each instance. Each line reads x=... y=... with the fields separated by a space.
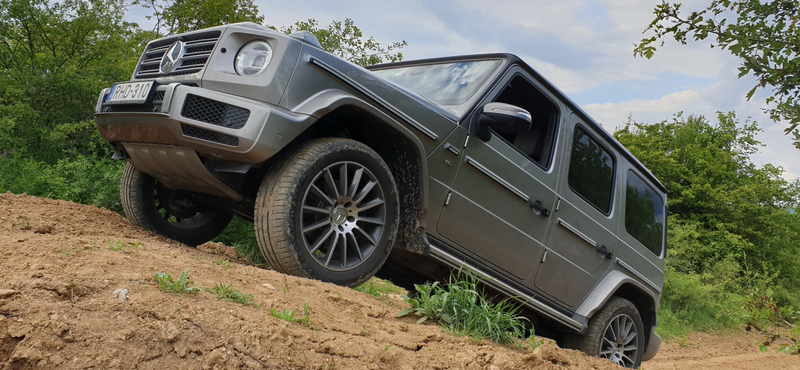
x=584 y=47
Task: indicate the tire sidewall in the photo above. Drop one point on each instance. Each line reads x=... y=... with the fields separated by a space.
x=346 y=151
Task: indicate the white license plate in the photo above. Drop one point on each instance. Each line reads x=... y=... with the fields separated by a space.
x=130 y=92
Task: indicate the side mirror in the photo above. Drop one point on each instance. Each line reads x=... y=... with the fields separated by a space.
x=502 y=117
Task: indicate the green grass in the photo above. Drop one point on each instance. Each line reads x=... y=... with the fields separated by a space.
x=289 y=316
x=689 y=303
x=379 y=288
x=241 y=235
x=462 y=309
x=183 y=285
x=230 y=294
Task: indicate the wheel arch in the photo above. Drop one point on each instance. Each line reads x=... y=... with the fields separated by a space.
x=340 y=114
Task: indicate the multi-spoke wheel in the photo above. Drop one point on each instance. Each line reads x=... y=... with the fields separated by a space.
x=174 y=214
x=615 y=333
x=328 y=211
x=620 y=342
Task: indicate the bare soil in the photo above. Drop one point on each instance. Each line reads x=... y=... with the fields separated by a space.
x=57 y=310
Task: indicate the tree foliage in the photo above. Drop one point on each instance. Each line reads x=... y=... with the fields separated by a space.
x=765 y=35
x=347 y=41
x=172 y=17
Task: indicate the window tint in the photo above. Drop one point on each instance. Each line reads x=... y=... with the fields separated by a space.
x=644 y=213
x=591 y=171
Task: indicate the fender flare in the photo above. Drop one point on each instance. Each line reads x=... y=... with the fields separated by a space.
x=329 y=100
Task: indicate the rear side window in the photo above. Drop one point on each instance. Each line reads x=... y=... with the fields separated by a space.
x=591 y=171
x=644 y=213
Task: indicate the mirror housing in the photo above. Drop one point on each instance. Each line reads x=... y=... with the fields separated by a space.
x=501 y=117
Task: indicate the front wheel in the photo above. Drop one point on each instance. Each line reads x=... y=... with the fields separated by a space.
x=615 y=333
x=328 y=211
x=175 y=214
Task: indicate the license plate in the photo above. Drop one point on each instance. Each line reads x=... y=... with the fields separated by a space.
x=130 y=92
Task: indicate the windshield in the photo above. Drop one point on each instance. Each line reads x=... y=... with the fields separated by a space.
x=445 y=84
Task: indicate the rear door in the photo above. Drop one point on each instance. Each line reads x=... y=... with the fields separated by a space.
x=581 y=244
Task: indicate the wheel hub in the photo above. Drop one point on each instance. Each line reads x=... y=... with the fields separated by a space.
x=619 y=341
x=343 y=215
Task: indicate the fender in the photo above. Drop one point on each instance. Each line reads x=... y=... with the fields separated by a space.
x=605 y=289
x=329 y=100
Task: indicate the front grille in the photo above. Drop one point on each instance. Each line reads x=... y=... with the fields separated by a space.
x=197 y=50
x=214 y=112
x=201 y=134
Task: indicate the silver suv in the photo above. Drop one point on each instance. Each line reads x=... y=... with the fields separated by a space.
x=406 y=170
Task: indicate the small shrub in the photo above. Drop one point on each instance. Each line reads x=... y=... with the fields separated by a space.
x=289 y=316
x=461 y=308
x=230 y=294
x=168 y=285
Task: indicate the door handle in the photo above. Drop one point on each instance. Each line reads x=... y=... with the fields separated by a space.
x=602 y=250
x=539 y=208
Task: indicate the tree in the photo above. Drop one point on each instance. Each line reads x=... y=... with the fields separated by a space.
x=55 y=57
x=346 y=40
x=765 y=35
x=188 y=15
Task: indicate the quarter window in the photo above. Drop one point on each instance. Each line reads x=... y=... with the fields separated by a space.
x=644 y=213
x=591 y=171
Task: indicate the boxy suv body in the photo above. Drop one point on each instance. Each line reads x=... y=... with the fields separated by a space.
x=406 y=169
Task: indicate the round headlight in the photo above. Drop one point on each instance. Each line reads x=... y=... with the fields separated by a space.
x=253 y=58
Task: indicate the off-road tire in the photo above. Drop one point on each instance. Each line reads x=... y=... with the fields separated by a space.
x=592 y=341
x=281 y=211
x=137 y=194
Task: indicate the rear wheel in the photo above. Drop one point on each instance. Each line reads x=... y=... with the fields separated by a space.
x=328 y=211
x=615 y=333
x=173 y=213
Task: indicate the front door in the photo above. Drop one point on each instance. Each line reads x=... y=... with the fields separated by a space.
x=489 y=213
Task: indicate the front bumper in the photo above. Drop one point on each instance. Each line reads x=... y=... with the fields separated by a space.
x=216 y=125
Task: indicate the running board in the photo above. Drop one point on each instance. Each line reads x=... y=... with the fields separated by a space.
x=526 y=299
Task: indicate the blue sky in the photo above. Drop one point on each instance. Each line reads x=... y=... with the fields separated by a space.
x=583 y=46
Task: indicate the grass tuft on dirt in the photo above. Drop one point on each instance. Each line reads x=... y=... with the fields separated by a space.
x=463 y=309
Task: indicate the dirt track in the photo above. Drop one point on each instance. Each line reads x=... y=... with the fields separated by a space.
x=57 y=277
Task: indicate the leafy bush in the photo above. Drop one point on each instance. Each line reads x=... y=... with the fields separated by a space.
x=461 y=308
x=79 y=179
x=168 y=285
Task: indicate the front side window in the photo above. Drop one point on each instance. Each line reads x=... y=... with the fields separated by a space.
x=591 y=171
x=446 y=83
x=644 y=213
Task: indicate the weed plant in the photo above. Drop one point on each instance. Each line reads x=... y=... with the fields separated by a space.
x=167 y=284
x=379 y=288
x=120 y=246
x=230 y=294
x=463 y=309
x=289 y=316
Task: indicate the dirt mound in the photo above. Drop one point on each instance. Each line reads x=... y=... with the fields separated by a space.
x=60 y=264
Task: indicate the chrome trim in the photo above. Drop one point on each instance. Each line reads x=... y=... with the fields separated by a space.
x=452 y=149
x=166 y=103
x=430 y=134
x=577 y=232
x=639 y=275
x=496 y=178
x=99 y=107
x=528 y=301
